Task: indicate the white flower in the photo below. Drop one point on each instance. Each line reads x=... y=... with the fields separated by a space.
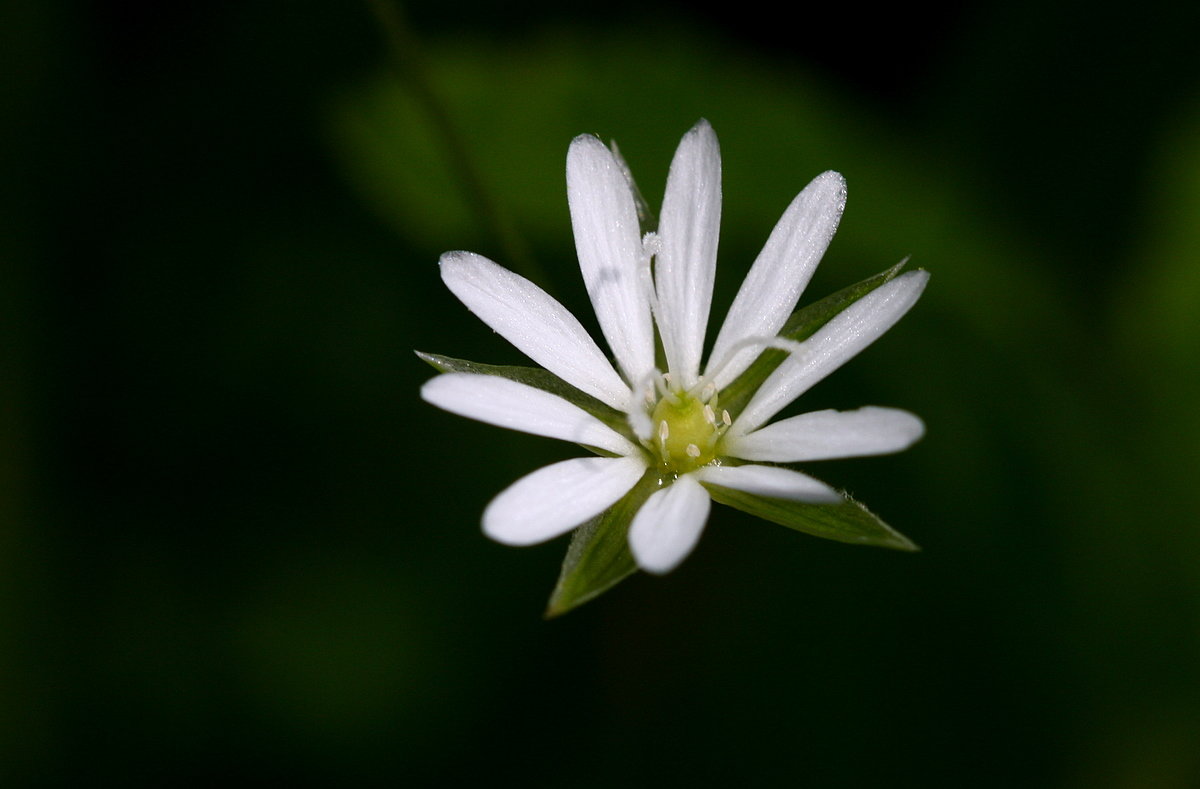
x=678 y=430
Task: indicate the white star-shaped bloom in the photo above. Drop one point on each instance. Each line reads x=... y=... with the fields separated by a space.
x=659 y=286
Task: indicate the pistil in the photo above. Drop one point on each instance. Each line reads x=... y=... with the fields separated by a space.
x=687 y=429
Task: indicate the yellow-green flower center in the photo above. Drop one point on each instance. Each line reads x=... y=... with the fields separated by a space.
x=687 y=432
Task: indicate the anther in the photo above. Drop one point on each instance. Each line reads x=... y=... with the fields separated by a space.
x=708 y=391
x=709 y=416
x=663 y=432
x=725 y=418
x=664 y=389
x=693 y=451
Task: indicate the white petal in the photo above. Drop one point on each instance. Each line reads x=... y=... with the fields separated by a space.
x=609 y=244
x=555 y=499
x=667 y=527
x=535 y=323
x=779 y=275
x=499 y=401
x=833 y=345
x=824 y=435
x=688 y=230
x=770 y=481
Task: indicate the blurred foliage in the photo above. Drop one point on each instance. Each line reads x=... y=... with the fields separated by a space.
x=237 y=546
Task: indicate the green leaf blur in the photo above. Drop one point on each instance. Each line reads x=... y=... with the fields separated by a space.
x=237 y=547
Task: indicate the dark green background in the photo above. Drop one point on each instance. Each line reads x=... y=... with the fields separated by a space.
x=236 y=545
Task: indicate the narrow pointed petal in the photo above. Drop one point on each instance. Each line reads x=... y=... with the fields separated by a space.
x=770 y=481
x=535 y=323
x=516 y=406
x=779 y=275
x=833 y=345
x=555 y=499
x=609 y=244
x=688 y=230
x=668 y=525
x=825 y=435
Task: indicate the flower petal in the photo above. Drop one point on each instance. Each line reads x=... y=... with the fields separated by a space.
x=555 y=499
x=770 y=481
x=824 y=435
x=516 y=406
x=688 y=230
x=833 y=345
x=667 y=527
x=609 y=244
x=535 y=323
x=779 y=275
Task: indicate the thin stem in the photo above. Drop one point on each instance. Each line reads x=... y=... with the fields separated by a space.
x=406 y=57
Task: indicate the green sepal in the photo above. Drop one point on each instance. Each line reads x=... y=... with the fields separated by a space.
x=539 y=379
x=802 y=324
x=848 y=521
x=599 y=557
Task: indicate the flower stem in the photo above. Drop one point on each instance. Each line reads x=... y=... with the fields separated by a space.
x=406 y=58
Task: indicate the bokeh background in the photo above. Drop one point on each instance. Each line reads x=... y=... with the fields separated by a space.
x=237 y=546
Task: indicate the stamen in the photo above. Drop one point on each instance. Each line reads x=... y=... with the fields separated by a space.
x=693 y=451
x=650 y=244
x=710 y=416
x=761 y=343
x=663 y=432
x=650 y=249
x=725 y=418
x=662 y=383
x=649 y=385
x=791 y=346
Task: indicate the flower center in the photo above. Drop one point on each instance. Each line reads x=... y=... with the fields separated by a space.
x=687 y=430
